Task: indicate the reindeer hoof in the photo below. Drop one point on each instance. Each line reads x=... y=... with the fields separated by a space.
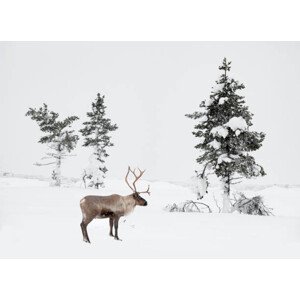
x=87 y=241
x=116 y=238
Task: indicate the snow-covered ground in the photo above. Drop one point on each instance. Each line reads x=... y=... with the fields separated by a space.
x=38 y=221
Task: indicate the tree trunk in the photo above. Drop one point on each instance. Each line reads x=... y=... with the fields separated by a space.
x=226 y=196
x=84 y=178
x=57 y=170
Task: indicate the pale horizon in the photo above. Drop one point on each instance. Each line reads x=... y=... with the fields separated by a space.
x=148 y=88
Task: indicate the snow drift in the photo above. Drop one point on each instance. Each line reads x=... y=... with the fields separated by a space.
x=38 y=221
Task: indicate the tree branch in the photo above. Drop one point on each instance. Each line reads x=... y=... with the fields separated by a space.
x=46 y=164
x=235 y=182
x=236 y=178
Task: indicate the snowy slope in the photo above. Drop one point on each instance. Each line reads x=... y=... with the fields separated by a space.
x=41 y=221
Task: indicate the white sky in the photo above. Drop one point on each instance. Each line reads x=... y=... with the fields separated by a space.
x=149 y=86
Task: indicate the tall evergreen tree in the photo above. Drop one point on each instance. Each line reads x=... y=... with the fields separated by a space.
x=96 y=135
x=60 y=139
x=224 y=135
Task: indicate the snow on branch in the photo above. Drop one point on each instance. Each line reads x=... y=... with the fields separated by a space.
x=220 y=131
x=236 y=123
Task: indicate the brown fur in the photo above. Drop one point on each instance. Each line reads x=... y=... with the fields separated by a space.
x=113 y=207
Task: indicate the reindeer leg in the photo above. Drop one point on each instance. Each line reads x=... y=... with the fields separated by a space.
x=111 y=223
x=84 y=232
x=116 y=223
x=84 y=224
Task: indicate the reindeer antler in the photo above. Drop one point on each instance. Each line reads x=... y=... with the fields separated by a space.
x=137 y=177
x=126 y=179
x=148 y=192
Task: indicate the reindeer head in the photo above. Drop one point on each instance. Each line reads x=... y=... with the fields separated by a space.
x=136 y=195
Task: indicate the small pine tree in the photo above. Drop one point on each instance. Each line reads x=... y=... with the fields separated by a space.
x=59 y=138
x=96 y=135
x=223 y=133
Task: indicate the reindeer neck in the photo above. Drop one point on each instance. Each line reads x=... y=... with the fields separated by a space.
x=129 y=203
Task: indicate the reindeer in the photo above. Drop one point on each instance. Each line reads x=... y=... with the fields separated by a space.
x=113 y=207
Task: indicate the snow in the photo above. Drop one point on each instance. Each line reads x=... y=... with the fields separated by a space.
x=201 y=139
x=224 y=158
x=234 y=156
x=215 y=144
x=217 y=87
x=93 y=170
x=257 y=169
x=203 y=119
x=38 y=221
x=209 y=101
x=201 y=186
x=222 y=100
x=219 y=130
x=236 y=123
x=21 y=182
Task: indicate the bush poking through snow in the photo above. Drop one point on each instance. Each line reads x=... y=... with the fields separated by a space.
x=189 y=206
x=252 y=206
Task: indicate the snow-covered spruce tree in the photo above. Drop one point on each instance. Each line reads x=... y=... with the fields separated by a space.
x=96 y=135
x=224 y=137
x=60 y=139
